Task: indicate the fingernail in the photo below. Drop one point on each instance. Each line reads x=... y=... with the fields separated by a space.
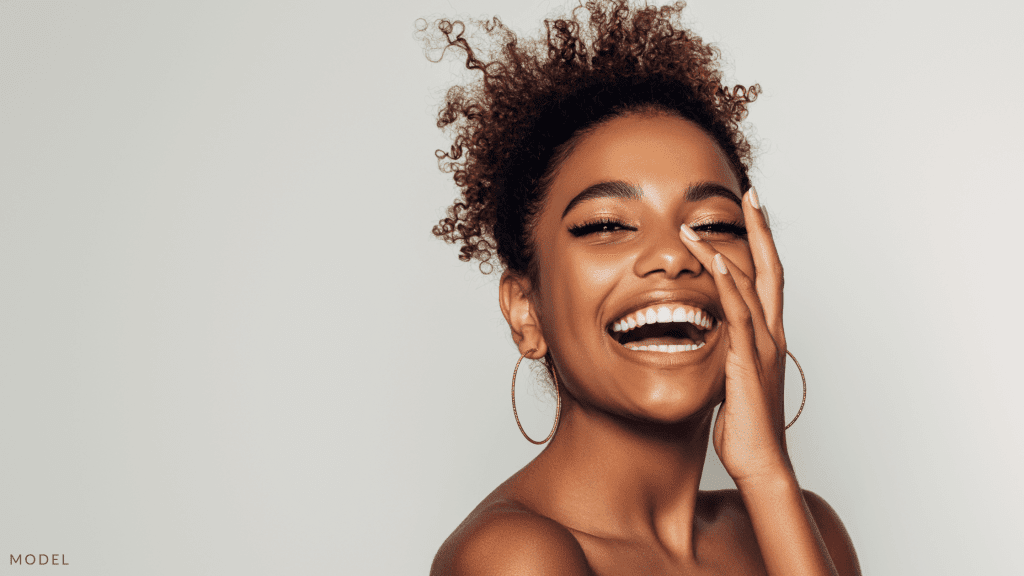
x=752 y=197
x=689 y=233
x=720 y=264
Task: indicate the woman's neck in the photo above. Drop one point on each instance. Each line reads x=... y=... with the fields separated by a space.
x=611 y=477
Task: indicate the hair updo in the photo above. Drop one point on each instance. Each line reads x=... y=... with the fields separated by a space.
x=514 y=126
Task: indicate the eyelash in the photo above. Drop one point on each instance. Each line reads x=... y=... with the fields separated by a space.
x=722 y=227
x=597 y=226
x=608 y=225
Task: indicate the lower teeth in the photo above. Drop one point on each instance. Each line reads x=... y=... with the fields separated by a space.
x=667 y=347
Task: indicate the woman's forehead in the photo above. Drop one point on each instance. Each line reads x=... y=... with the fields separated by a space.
x=645 y=150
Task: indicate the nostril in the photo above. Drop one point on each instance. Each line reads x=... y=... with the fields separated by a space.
x=667 y=254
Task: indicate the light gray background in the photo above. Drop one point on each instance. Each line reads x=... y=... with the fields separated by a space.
x=230 y=345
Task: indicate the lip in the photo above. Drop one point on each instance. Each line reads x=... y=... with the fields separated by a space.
x=666 y=359
x=691 y=299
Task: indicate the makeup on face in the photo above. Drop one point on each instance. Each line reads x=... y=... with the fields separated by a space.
x=628 y=312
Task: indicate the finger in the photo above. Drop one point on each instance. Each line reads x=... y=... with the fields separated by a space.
x=763 y=337
x=738 y=282
x=742 y=329
x=768 y=268
x=755 y=389
x=737 y=314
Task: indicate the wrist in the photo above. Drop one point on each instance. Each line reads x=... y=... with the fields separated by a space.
x=780 y=481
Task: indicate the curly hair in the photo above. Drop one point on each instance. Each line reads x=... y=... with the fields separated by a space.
x=536 y=99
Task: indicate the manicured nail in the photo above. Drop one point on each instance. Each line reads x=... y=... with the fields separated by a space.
x=689 y=233
x=752 y=197
x=720 y=264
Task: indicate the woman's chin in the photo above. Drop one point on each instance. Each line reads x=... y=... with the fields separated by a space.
x=674 y=411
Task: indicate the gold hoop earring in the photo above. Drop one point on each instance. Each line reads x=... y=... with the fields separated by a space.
x=804 y=379
x=558 y=408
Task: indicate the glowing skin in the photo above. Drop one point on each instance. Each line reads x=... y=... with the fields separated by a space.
x=616 y=490
x=586 y=283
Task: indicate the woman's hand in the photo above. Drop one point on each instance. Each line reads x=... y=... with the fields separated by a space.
x=749 y=433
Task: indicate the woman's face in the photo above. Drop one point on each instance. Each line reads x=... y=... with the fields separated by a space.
x=611 y=262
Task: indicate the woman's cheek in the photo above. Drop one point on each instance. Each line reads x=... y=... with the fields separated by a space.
x=739 y=254
x=601 y=272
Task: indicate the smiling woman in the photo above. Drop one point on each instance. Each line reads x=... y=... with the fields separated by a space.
x=604 y=170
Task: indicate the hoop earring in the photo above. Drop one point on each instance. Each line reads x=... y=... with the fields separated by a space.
x=558 y=408
x=804 y=379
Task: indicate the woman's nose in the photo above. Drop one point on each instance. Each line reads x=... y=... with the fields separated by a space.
x=666 y=254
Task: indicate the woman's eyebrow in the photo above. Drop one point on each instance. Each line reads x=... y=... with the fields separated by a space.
x=619 y=189
x=613 y=189
x=704 y=190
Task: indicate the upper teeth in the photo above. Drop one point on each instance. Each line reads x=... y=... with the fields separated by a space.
x=664 y=314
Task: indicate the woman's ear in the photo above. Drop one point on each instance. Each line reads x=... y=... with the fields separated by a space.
x=521 y=315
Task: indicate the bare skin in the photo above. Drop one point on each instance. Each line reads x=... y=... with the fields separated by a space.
x=616 y=490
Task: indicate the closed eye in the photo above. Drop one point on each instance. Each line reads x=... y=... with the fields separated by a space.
x=602 y=226
x=717 y=228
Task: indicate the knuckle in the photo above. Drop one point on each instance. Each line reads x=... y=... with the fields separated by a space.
x=745 y=317
x=744 y=281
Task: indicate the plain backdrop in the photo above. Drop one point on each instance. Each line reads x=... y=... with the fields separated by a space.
x=229 y=343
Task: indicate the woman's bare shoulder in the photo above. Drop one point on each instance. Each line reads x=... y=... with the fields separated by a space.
x=837 y=539
x=503 y=536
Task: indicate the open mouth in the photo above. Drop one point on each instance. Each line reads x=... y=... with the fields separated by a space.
x=663 y=328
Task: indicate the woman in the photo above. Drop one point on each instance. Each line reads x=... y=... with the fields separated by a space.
x=603 y=168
